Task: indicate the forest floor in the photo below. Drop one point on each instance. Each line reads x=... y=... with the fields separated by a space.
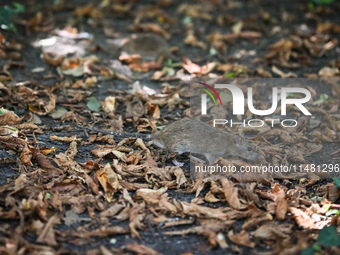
x=65 y=190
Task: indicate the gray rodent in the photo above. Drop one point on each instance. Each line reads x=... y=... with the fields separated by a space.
x=150 y=46
x=198 y=138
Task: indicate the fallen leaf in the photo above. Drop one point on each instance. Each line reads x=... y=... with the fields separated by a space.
x=306 y=222
x=141 y=249
x=93 y=104
x=108 y=180
x=241 y=238
x=231 y=194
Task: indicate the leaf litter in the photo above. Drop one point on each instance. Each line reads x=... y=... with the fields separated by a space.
x=125 y=188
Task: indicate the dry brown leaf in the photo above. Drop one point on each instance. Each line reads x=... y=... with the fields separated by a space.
x=88 y=10
x=47 y=236
x=333 y=192
x=113 y=210
x=231 y=194
x=273 y=231
x=203 y=211
x=55 y=61
x=129 y=59
x=136 y=217
x=213 y=229
x=282 y=74
x=180 y=176
x=48 y=107
x=172 y=222
x=119 y=155
x=9 y=118
x=151 y=196
x=281 y=202
x=66 y=161
x=25 y=156
x=108 y=179
x=141 y=249
x=154 y=111
x=19 y=145
x=329 y=72
x=144 y=66
x=150 y=27
x=46 y=163
x=209 y=197
x=35 y=21
x=249 y=35
x=306 y=222
x=92 y=184
x=139 y=142
x=157 y=75
x=65 y=138
x=263 y=73
x=101 y=152
x=192 y=40
x=110 y=104
x=104 y=232
x=199 y=70
x=241 y=238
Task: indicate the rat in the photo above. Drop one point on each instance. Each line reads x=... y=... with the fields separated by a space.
x=150 y=47
x=196 y=137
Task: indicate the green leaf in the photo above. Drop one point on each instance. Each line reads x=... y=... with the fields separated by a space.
x=168 y=63
x=325 y=97
x=6 y=14
x=332 y=212
x=186 y=20
x=161 y=127
x=328 y=237
x=93 y=104
x=212 y=52
x=307 y=251
x=316 y=247
x=18 y=7
x=326 y=207
x=311 y=5
x=230 y=75
x=336 y=180
x=169 y=71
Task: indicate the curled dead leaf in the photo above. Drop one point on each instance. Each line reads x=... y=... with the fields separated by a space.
x=231 y=194
x=55 y=61
x=150 y=27
x=8 y=117
x=241 y=238
x=306 y=222
x=49 y=107
x=199 y=70
x=282 y=74
x=333 y=192
x=136 y=217
x=141 y=249
x=65 y=138
x=329 y=72
x=108 y=179
x=110 y=104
